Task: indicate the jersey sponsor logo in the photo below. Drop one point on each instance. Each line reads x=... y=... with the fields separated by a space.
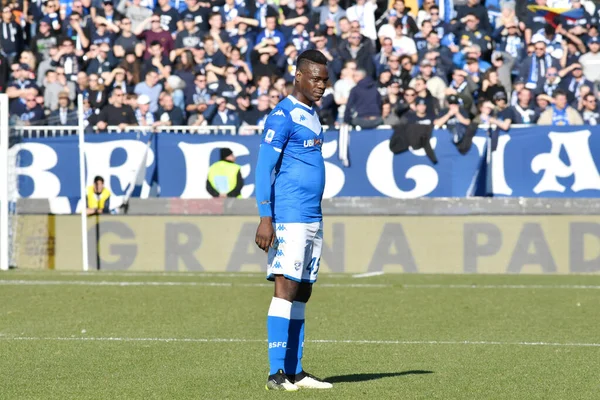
x=277 y=265
x=278 y=112
x=280 y=240
x=281 y=227
x=302 y=118
x=279 y=253
x=274 y=345
x=269 y=135
x=313 y=142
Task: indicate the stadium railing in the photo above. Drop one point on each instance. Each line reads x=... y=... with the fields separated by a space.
x=57 y=131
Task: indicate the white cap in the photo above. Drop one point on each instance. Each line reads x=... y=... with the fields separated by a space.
x=143 y=99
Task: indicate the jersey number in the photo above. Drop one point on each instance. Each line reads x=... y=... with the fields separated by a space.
x=313 y=267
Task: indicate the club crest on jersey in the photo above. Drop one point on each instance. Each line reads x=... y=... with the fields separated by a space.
x=298 y=265
x=279 y=112
x=313 y=142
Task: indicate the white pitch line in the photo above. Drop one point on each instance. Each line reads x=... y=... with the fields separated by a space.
x=167 y=273
x=475 y=286
x=23 y=282
x=326 y=341
x=368 y=274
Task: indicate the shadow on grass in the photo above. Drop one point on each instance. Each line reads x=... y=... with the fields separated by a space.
x=373 y=376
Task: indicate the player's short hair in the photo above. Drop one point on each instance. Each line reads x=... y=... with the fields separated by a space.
x=98 y=179
x=310 y=56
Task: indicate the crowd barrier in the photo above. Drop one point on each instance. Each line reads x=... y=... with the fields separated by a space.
x=528 y=162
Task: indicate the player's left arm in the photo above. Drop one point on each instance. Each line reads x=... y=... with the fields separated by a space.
x=275 y=137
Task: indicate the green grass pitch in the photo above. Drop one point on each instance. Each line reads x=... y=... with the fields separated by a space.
x=202 y=336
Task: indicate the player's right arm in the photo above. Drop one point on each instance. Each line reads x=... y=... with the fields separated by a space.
x=276 y=134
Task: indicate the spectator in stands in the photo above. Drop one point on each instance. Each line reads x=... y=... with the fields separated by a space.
x=523 y=113
x=143 y=115
x=503 y=115
x=22 y=85
x=363 y=108
x=435 y=85
x=420 y=115
x=97 y=93
x=355 y=51
x=26 y=111
x=574 y=81
x=67 y=59
x=560 y=113
x=591 y=60
x=420 y=87
x=137 y=14
x=262 y=110
x=463 y=87
x=151 y=88
x=11 y=40
x=404 y=45
x=388 y=114
x=126 y=42
x=101 y=63
x=331 y=14
x=167 y=113
x=246 y=111
x=222 y=114
x=225 y=177
x=197 y=97
x=271 y=36
x=116 y=113
x=490 y=85
x=109 y=13
x=342 y=88
x=363 y=12
x=190 y=38
x=274 y=98
x=534 y=67
x=402 y=70
x=476 y=9
x=98 y=198
x=551 y=83
x=590 y=111
x=408 y=22
x=155 y=34
x=64 y=115
x=44 y=40
x=381 y=59
x=455 y=118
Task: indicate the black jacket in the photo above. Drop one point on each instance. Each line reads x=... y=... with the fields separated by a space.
x=364 y=101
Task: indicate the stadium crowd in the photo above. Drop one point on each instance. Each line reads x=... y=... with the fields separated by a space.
x=228 y=62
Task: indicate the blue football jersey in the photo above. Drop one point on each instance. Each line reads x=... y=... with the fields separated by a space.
x=293 y=129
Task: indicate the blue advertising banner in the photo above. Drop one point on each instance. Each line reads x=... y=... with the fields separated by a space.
x=547 y=162
x=530 y=162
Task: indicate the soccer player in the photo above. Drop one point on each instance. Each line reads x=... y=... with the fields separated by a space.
x=291 y=226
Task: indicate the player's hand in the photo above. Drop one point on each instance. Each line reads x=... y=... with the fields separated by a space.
x=265 y=234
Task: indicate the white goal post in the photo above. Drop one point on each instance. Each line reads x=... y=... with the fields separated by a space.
x=9 y=218
x=5 y=227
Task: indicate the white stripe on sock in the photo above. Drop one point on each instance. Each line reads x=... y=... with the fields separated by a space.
x=280 y=308
x=298 y=310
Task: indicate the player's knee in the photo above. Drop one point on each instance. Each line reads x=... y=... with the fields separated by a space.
x=285 y=288
x=304 y=292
